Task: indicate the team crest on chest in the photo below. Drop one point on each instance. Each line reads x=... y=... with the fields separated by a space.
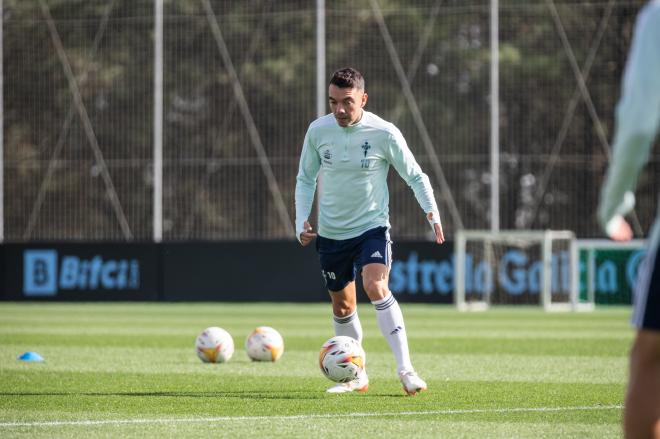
x=366 y=147
x=365 y=162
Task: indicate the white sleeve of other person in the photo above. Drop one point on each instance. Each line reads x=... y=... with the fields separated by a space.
x=637 y=117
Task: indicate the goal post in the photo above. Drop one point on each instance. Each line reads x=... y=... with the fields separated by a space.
x=515 y=267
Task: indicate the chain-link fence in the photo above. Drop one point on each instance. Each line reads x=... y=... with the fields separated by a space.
x=239 y=92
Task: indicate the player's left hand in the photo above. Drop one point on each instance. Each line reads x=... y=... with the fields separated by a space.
x=439 y=235
x=437 y=228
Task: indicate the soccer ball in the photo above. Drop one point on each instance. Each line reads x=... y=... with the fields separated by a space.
x=264 y=344
x=342 y=359
x=214 y=345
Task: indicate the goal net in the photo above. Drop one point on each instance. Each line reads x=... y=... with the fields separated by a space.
x=517 y=268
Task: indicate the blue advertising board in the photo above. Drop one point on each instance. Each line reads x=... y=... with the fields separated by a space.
x=283 y=271
x=69 y=271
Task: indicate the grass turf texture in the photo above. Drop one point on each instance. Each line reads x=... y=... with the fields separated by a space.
x=118 y=370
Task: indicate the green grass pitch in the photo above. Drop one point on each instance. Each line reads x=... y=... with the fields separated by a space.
x=130 y=370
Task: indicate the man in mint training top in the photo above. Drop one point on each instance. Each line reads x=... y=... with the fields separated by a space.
x=353 y=149
x=637 y=119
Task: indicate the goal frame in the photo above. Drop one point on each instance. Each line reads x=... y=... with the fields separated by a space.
x=593 y=245
x=545 y=239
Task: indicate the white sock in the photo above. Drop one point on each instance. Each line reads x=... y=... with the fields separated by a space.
x=390 y=321
x=349 y=326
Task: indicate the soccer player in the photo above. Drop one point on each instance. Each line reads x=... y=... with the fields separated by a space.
x=353 y=149
x=637 y=119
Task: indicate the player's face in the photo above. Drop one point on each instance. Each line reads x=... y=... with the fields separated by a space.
x=346 y=104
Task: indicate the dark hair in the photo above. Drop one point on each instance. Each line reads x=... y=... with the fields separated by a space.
x=348 y=77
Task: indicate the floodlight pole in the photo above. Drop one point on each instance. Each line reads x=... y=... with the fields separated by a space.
x=158 y=122
x=494 y=117
x=320 y=58
x=321 y=85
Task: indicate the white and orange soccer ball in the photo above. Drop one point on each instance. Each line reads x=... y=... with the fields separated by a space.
x=342 y=359
x=264 y=344
x=214 y=345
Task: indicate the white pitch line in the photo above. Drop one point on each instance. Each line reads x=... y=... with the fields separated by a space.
x=309 y=416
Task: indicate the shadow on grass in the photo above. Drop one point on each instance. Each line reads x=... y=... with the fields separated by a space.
x=239 y=394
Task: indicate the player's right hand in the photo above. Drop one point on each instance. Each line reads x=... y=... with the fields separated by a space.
x=618 y=229
x=307 y=236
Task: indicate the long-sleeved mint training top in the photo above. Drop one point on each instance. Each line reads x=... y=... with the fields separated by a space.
x=637 y=117
x=354 y=162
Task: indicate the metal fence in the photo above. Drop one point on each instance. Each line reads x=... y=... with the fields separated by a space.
x=239 y=89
